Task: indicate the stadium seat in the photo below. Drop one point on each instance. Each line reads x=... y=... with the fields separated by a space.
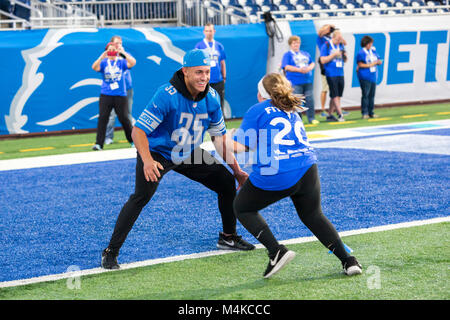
x=336 y=6
x=263 y=2
x=252 y=9
x=384 y=4
x=286 y=7
x=235 y=3
x=253 y=18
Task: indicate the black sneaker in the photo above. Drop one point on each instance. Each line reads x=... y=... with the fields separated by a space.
x=97 y=147
x=233 y=242
x=109 y=259
x=351 y=266
x=331 y=118
x=278 y=261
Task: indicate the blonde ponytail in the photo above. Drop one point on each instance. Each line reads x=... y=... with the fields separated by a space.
x=280 y=90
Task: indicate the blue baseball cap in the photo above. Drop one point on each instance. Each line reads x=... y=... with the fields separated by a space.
x=195 y=58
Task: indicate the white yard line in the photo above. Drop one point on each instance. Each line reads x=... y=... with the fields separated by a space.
x=76 y=274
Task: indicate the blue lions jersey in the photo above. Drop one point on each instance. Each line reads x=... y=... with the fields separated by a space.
x=283 y=153
x=175 y=125
x=113 y=77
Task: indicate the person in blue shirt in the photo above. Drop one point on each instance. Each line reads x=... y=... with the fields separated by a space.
x=368 y=61
x=323 y=35
x=298 y=65
x=333 y=57
x=285 y=166
x=167 y=136
x=217 y=55
x=113 y=93
x=109 y=138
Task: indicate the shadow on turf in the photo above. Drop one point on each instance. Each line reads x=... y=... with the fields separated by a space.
x=219 y=293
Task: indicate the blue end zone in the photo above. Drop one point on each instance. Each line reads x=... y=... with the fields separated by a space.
x=52 y=218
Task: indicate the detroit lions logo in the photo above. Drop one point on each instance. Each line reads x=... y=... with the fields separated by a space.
x=60 y=91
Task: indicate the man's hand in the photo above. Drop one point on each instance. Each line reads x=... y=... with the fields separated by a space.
x=241 y=177
x=151 y=170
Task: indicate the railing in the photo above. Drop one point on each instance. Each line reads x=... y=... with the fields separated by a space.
x=351 y=13
x=48 y=15
x=199 y=13
x=128 y=12
x=13 y=23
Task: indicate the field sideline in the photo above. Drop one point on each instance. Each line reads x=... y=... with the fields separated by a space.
x=48 y=145
x=398 y=264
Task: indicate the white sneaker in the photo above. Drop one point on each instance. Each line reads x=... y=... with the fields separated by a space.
x=278 y=261
x=341 y=118
x=352 y=266
x=108 y=141
x=96 y=147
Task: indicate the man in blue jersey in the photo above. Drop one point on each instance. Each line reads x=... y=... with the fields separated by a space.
x=217 y=56
x=109 y=138
x=333 y=57
x=167 y=137
x=113 y=95
x=285 y=166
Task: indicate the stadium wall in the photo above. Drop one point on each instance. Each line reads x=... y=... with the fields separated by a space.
x=48 y=84
x=415 y=51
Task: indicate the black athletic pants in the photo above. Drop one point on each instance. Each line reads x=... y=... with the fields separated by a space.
x=305 y=195
x=205 y=169
x=120 y=106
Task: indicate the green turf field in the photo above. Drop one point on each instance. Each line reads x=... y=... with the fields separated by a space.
x=397 y=265
x=411 y=263
x=38 y=146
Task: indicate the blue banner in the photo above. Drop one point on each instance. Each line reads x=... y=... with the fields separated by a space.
x=48 y=84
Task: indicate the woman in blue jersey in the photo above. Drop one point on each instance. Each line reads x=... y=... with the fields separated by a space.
x=368 y=62
x=298 y=67
x=285 y=167
x=113 y=93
